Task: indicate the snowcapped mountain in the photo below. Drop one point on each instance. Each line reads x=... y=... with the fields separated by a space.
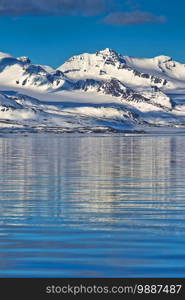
x=90 y=91
x=108 y=64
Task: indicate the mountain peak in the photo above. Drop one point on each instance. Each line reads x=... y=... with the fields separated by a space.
x=110 y=55
x=163 y=58
x=24 y=59
x=107 y=52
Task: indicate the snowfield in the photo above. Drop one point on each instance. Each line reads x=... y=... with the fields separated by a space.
x=101 y=92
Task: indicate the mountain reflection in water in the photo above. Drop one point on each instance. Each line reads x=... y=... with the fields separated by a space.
x=92 y=206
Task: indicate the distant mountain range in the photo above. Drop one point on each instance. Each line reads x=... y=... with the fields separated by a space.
x=100 y=92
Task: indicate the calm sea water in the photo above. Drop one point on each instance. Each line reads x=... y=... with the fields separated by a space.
x=92 y=206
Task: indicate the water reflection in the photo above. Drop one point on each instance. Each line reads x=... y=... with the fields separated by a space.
x=83 y=205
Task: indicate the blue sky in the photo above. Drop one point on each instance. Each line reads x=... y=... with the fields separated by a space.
x=131 y=27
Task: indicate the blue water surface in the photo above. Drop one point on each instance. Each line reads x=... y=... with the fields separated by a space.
x=92 y=206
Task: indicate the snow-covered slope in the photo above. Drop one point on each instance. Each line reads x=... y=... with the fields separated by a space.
x=22 y=112
x=162 y=66
x=91 y=91
x=20 y=72
x=108 y=64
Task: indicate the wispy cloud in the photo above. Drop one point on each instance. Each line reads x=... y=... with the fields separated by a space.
x=53 y=7
x=115 y=12
x=133 y=18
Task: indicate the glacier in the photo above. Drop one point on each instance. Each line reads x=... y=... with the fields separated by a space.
x=99 y=92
